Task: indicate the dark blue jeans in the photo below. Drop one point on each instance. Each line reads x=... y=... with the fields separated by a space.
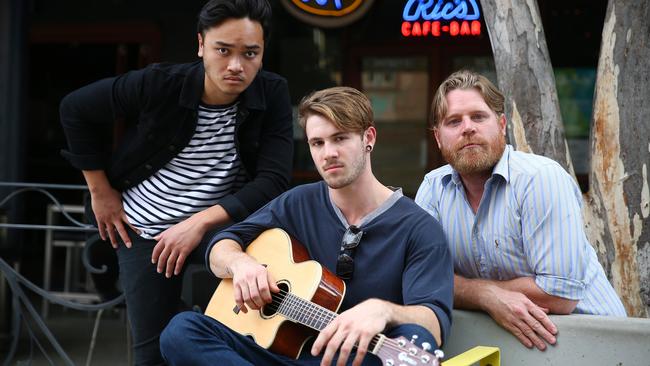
x=151 y=298
x=196 y=339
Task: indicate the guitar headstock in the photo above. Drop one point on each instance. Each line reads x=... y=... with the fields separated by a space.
x=400 y=351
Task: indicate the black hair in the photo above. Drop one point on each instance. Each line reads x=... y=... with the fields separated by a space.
x=215 y=12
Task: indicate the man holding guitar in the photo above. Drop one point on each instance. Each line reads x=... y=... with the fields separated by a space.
x=392 y=255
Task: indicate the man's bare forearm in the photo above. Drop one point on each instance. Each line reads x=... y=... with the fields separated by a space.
x=528 y=287
x=96 y=180
x=472 y=294
x=222 y=255
x=210 y=218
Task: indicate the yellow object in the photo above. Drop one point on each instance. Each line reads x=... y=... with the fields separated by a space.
x=488 y=356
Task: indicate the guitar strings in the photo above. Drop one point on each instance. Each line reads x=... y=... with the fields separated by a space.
x=278 y=299
x=282 y=295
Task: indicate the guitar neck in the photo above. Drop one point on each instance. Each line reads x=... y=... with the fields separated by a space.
x=315 y=316
x=305 y=312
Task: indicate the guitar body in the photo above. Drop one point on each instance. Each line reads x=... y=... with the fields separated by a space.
x=289 y=263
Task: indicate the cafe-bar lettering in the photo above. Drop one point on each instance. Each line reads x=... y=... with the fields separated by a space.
x=439 y=17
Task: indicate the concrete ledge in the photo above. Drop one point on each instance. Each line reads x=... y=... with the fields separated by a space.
x=581 y=340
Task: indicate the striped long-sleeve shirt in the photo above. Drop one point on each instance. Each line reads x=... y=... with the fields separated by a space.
x=206 y=170
x=528 y=224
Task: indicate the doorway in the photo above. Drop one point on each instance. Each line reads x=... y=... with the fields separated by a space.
x=399 y=86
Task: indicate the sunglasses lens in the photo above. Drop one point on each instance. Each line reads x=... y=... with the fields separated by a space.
x=351 y=238
x=345 y=266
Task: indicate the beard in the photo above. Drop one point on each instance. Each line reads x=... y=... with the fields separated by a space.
x=475 y=160
x=347 y=177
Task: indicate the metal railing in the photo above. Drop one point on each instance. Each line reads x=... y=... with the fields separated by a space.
x=22 y=308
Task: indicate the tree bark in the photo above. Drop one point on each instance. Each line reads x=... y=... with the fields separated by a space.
x=619 y=199
x=617 y=206
x=525 y=75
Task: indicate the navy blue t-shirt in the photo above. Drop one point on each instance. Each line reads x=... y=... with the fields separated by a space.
x=403 y=256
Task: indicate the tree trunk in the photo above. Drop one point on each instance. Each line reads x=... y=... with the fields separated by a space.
x=618 y=203
x=525 y=75
x=619 y=198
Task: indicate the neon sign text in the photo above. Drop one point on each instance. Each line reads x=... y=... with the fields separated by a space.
x=440 y=10
x=327 y=13
x=331 y=8
x=436 y=28
x=337 y=3
x=441 y=17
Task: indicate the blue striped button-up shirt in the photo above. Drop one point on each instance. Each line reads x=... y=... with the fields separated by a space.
x=528 y=223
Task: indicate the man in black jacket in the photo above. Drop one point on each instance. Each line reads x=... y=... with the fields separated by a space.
x=205 y=144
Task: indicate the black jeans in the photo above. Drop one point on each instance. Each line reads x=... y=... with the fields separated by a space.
x=151 y=298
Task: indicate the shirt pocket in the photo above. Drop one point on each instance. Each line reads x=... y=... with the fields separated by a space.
x=505 y=255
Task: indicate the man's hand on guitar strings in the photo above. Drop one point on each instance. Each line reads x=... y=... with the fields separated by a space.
x=252 y=283
x=355 y=327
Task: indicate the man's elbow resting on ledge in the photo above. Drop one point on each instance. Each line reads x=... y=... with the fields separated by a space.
x=560 y=305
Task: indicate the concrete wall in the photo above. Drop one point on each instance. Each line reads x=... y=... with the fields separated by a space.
x=581 y=340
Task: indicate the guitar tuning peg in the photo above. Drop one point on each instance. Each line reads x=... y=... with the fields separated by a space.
x=426 y=346
x=439 y=354
x=414 y=337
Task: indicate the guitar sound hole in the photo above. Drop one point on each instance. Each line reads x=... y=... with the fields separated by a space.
x=271 y=309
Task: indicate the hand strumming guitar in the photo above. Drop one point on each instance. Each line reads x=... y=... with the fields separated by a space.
x=252 y=283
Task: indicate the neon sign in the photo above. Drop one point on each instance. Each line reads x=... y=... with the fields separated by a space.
x=327 y=13
x=438 y=17
x=333 y=8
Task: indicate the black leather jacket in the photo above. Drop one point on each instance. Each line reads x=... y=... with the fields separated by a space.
x=159 y=105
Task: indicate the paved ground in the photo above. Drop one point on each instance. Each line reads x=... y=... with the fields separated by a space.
x=73 y=330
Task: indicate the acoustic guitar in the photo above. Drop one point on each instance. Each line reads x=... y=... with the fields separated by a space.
x=309 y=297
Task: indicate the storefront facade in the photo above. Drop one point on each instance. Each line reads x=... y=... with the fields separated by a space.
x=396 y=52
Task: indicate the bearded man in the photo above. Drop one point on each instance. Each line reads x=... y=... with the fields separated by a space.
x=512 y=220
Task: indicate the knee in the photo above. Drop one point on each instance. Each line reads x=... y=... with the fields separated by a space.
x=176 y=332
x=191 y=338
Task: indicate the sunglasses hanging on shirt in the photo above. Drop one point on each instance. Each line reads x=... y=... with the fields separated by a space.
x=349 y=243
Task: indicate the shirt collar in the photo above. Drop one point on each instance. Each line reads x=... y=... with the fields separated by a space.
x=388 y=203
x=501 y=168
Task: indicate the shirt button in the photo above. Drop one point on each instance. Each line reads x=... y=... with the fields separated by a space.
x=171 y=147
x=148 y=166
x=127 y=182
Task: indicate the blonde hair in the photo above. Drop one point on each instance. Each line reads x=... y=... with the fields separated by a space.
x=347 y=108
x=465 y=79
